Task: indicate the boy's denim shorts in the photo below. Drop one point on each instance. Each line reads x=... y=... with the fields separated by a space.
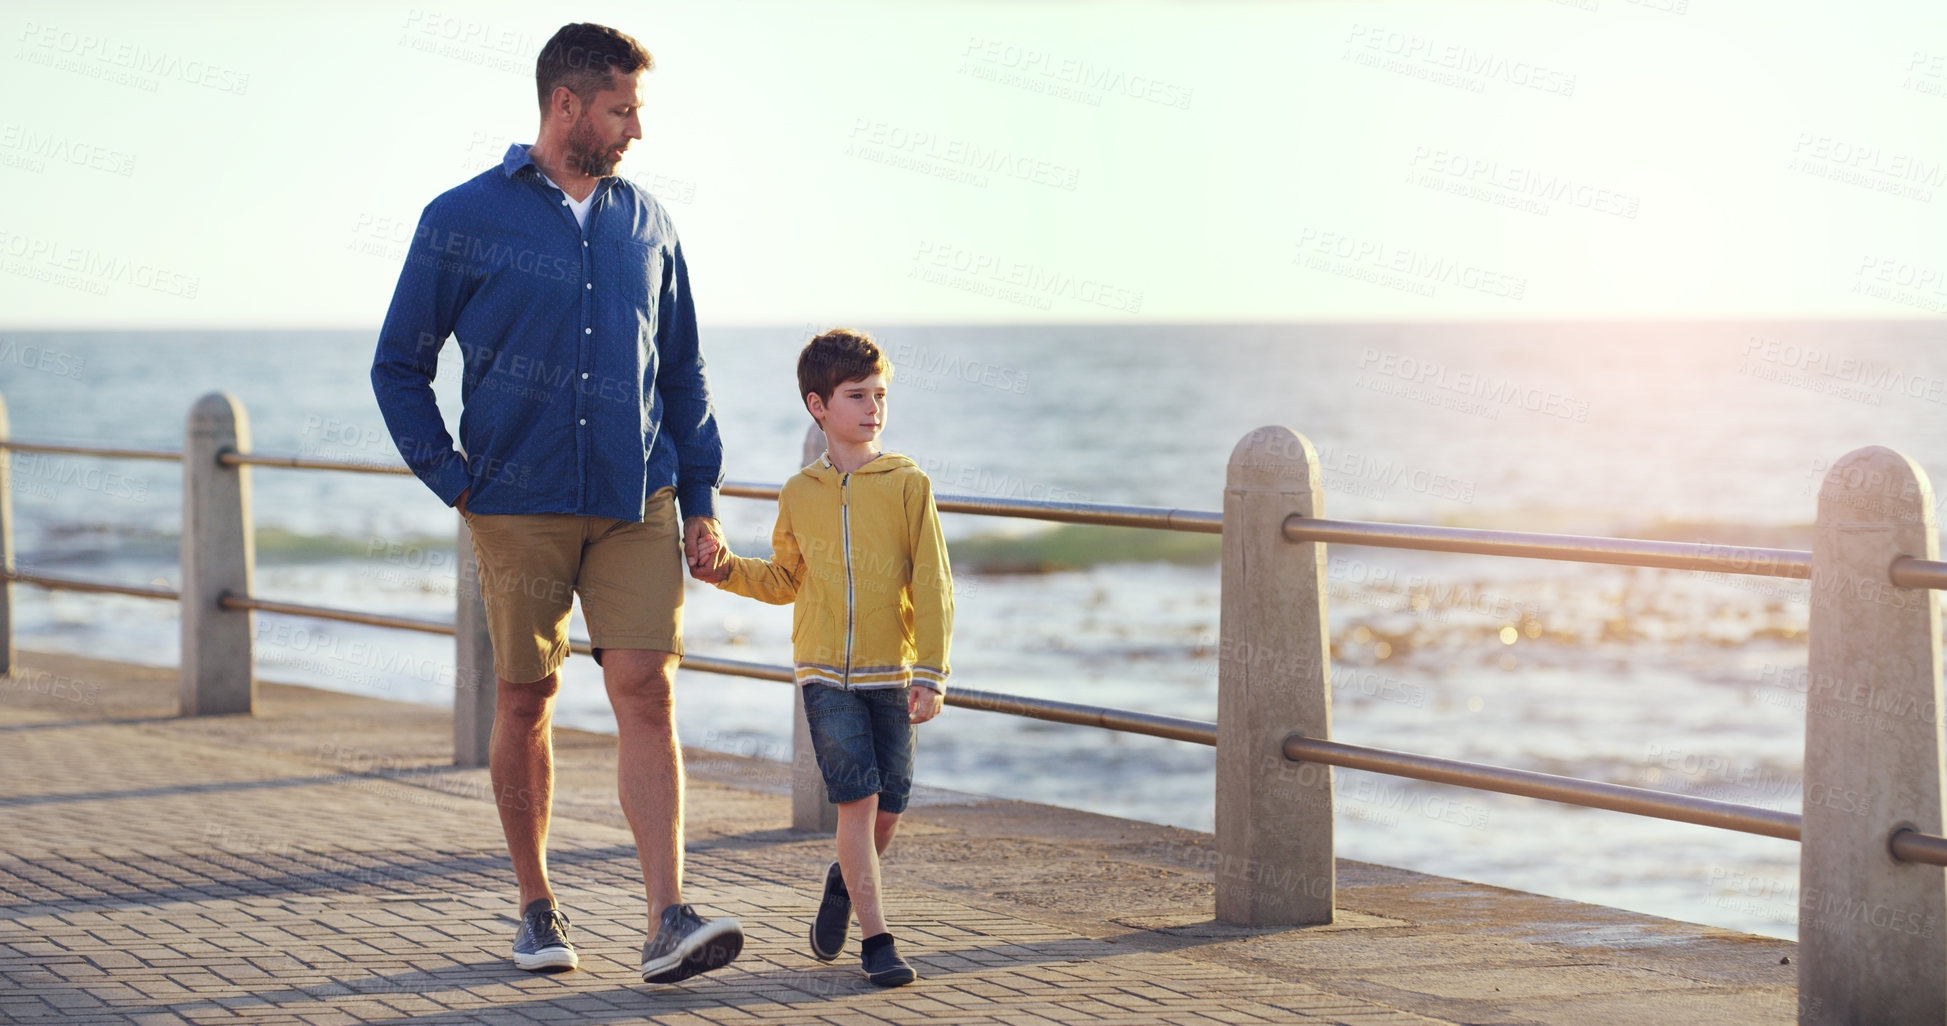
x=864 y=743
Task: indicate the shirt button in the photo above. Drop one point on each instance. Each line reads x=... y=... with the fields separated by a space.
x=584 y=375
x=583 y=420
x=564 y=203
x=584 y=243
x=588 y=284
x=588 y=331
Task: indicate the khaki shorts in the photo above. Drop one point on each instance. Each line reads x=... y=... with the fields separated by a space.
x=629 y=576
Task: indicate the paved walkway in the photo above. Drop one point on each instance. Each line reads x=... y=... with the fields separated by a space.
x=318 y=864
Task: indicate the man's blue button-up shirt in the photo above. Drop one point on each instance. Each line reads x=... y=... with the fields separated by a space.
x=583 y=388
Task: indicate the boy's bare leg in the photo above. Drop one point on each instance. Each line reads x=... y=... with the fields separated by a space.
x=520 y=761
x=649 y=767
x=883 y=829
x=858 y=861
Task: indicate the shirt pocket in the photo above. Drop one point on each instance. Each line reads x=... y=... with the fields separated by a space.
x=634 y=277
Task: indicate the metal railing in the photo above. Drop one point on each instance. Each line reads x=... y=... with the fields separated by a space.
x=1569 y=547
x=1591 y=794
x=1124 y=720
x=1872 y=900
x=1875 y=620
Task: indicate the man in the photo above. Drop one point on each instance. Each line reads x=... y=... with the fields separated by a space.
x=586 y=421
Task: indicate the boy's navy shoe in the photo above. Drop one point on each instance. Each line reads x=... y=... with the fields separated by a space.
x=882 y=963
x=834 y=918
x=685 y=945
x=541 y=944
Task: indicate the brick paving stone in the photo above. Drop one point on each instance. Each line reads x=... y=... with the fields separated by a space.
x=226 y=869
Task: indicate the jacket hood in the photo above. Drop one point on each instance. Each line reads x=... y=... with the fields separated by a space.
x=885 y=462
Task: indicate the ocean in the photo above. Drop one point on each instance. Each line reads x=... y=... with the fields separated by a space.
x=1681 y=681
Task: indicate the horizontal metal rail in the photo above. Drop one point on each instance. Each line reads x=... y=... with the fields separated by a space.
x=1127 y=721
x=1906 y=572
x=1729 y=559
x=1527 y=783
x=1909 y=572
x=237 y=459
x=1124 y=720
x=93 y=450
x=1162 y=518
x=58 y=583
x=1913 y=846
x=1158 y=517
x=1908 y=844
x=231 y=600
x=231 y=459
x=729 y=667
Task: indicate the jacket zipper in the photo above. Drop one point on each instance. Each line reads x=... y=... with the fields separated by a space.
x=845 y=521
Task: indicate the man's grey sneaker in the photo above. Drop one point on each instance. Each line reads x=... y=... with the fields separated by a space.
x=834 y=918
x=685 y=945
x=882 y=963
x=541 y=944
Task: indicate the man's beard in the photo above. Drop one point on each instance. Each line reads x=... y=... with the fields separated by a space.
x=587 y=153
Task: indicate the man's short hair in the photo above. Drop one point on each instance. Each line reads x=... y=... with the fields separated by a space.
x=585 y=57
x=838 y=356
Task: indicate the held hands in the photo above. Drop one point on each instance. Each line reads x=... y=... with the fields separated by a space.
x=704 y=549
x=923 y=704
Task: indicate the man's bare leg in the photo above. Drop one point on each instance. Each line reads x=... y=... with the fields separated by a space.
x=649 y=767
x=521 y=765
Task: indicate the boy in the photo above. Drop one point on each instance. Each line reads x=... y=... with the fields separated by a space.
x=858 y=550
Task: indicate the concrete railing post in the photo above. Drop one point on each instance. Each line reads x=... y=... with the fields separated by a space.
x=1274 y=816
x=809 y=809
x=1872 y=929
x=475 y=688
x=6 y=547
x=219 y=552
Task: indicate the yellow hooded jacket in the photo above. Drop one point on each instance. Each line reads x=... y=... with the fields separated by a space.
x=862 y=557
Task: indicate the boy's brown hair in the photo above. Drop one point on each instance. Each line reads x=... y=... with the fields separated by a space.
x=838 y=356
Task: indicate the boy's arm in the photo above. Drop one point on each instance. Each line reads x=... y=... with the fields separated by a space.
x=932 y=589
x=773 y=580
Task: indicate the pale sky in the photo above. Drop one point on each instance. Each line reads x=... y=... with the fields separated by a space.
x=229 y=165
